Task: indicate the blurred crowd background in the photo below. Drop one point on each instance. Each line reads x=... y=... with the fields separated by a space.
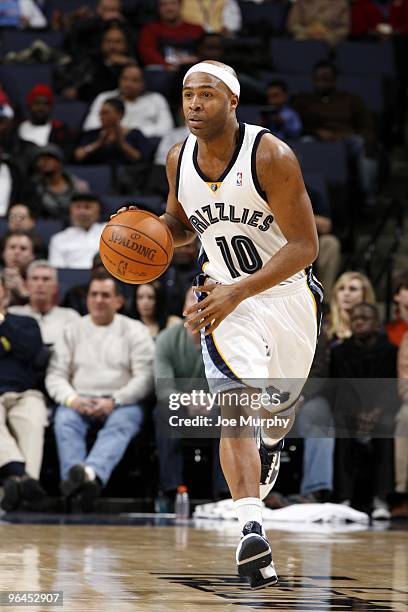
x=89 y=107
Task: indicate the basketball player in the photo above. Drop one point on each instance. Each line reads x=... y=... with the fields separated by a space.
x=241 y=191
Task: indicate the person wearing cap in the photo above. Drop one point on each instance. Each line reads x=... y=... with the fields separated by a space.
x=76 y=246
x=52 y=187
x=39 y=128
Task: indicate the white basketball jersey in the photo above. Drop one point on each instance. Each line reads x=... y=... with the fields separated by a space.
x=231 y=216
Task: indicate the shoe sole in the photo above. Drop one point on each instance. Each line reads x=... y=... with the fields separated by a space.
x=266 y=582
x=254 y=553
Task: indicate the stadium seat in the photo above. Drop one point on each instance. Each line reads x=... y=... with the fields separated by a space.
x=46 y=228
x=369 y=88
x=317 y=182
x=297 y=56
x=14 y=40
x=368 y=58
x=328 y=159
x=249 y=113
x=161 y=81
x=71 y=112
x=3 y=226
x=68 y=278
x=98 y=177
x=297 y=83
x=18 y=80
x=261 y=17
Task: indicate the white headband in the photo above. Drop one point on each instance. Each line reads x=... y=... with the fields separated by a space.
x=226 y=77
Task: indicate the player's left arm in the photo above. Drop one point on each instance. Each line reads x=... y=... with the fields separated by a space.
x=280 y=178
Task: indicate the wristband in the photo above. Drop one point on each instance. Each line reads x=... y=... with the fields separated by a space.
x=69 y=401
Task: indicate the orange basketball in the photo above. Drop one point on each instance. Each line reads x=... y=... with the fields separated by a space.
x=136 y=247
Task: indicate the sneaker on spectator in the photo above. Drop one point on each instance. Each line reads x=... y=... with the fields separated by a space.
x=380 y=511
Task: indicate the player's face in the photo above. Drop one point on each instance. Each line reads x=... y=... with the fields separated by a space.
x=131 y=83
x=42 y=284
x=145 y=301
x=207 y=105
x=363 y=322
x=19 y=218
x=83 y=213
x=102 y=301
x=349 y=294
x=18 y=252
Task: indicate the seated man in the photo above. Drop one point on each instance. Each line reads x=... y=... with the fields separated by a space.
x=178 y=360
x=279 y=117
x=76 y=245
x=23 y=413
x=100 y=373
x=42 y=288
x=17 y=253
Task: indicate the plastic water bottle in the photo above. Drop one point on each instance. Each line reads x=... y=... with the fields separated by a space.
x=182 y=504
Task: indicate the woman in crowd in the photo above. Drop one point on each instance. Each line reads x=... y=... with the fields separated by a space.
x=151 y=308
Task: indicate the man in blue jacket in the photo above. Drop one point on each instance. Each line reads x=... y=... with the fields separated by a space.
x=23 y=412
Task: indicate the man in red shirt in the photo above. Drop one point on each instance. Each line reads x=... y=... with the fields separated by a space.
x=380 y=18
x=399 y=326
x=169 y=42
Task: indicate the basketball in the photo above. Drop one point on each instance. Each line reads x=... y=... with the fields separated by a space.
x=136 y=247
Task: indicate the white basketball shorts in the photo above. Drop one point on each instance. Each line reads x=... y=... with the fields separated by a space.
x=268 y=341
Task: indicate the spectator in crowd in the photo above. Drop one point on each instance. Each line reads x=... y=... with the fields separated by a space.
x=157 y=183
x=23 y=412
x=398 y=327
x=169 y=42
x=85 y=32
x=75 y=246
x=146 y=111
x=20 y=217
x=329 y=259
x=42 y=288
x=76 y=297
x=17 y=253
x=40 y=129
x=10 y=173
x=52 y=187
x=401 y=435
x=332 y=115
x=366 y=354
x=85 y=78
x=380 y=19
x=350 y=289
x=315 y=423
x=315 y=420
x=319 y=20
x=151 y=308
x=22 y=14
x=113 y=143
x=221 y=16
x=109 y=396
x=280 y=119
x=179 y=277
x=178 y=361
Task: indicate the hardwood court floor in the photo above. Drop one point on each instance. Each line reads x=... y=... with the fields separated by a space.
x=150 y=568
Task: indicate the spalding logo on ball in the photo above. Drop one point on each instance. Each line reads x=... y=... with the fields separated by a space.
x=136 y=247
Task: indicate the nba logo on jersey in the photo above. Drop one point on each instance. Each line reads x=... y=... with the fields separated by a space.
x=239 y=179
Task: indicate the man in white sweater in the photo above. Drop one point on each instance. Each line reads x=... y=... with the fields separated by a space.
x=146 y=111
x=100 y=373
x=42 y=287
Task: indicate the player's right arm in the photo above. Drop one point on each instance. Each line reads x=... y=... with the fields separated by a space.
x=175 y=217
